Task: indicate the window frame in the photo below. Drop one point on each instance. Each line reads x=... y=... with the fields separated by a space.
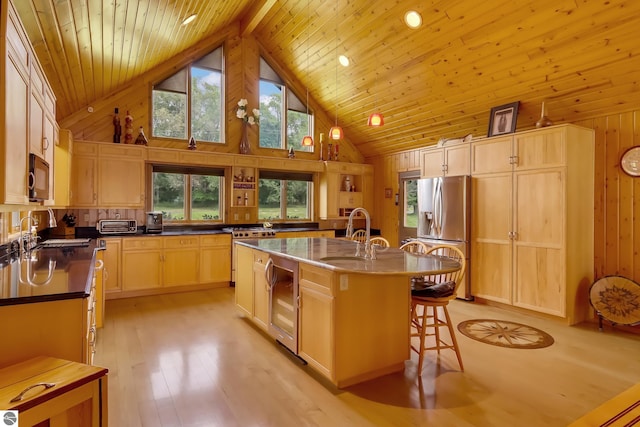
x=290 y=102
x=284 y=177
x=188 y=172
x=199 y=63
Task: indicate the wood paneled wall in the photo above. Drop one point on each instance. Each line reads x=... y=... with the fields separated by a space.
x=242 y=74
x=617 y=195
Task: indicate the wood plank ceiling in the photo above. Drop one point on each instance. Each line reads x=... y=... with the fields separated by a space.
x=440 y=81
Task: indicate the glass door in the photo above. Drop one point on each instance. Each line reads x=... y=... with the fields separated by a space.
x=283 y=302
x=408 y=205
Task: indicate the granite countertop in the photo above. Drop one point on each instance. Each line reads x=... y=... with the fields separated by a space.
x=339 y=255
x=48 y=274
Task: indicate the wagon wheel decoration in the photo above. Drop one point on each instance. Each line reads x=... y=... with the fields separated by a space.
x=504 y=333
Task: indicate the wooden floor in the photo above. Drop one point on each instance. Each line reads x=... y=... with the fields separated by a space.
x=190 y=360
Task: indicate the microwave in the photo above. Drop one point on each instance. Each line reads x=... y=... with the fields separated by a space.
x=38 y=178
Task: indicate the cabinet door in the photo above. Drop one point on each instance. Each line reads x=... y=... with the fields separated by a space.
x=540 y=149
x=457 y=160
x=141 y=270
x=62 y=172
x=83 y=181
x=244 y=279
x=121 y=182
x=215 y=265
x=432 y=163
x=491 y=155
x=112 y=263
x=181 y=260
x=316 y=338
x=36 y=119
x=15 y=135
x=491 y=243
x=260 y=290
x=49 y=152
x=539 y=252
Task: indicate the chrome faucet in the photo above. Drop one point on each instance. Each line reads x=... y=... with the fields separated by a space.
x=349 y=231
x=27 y=241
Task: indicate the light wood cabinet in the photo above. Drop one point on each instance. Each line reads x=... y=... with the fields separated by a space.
x=450 y=160
x=181 y=260
x=108 y=175
x=244 y=280
x=344 y=187
x=260 y=290
x=141 y=263
x=15 y=125
x=78 y=396
x=112 y=257
x=215 y=259
x=532 y=221
x=316 y=338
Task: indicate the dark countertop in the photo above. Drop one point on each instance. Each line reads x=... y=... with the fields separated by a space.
x=48 y=275
x=339 y=255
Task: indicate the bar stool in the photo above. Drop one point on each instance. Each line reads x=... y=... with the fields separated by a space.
x=430 y=299
x=380 y=241
x=359 y=236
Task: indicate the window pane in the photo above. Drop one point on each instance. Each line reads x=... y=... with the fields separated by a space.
x=205 y=197
x=298 y=200
x=411 y=203
x=169 y=114
x=271 y=115
x=297 y=128
x=269 y=192
x=168 y=195
x=206 y=101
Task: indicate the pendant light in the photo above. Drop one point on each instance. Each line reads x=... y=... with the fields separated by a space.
x=307 y=141
x=375 y=119
x=336 y=131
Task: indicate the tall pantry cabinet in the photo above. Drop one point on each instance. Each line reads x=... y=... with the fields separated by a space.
x=533 y=219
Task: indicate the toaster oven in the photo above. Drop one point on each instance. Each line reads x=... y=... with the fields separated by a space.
x=117 y=226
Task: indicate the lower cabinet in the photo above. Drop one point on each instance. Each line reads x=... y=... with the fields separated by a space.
x=252 y=291
x=260 y=290
x=181 y=260
x=244 y=280
x=112 y=257
x=215 y=259
x=316 y=335
x=78 y=395
x=141 y=263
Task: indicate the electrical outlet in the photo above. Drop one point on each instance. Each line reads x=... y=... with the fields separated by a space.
x=235 y=216
x=247 y=216
x=344 y=282
x=86 y=217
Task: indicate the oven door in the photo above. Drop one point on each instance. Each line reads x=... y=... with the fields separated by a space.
x=282 y=276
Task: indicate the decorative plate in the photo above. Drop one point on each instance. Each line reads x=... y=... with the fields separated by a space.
x=630 y=161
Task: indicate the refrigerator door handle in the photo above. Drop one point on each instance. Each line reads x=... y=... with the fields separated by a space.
x=437 y=207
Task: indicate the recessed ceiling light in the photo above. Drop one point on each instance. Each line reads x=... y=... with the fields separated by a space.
x=344 y=61
x=413 y=19
x=189 y=19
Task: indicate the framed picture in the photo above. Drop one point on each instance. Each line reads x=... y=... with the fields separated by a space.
x=503 y=119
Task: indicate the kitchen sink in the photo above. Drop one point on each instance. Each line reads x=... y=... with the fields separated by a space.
x=64 y=243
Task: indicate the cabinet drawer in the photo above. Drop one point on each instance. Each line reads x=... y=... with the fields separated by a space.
x=181 y=242
x=144 y=243
x=350 y=199
x=316 y=278
x=215 y=240
x=128 y=151
x=260 y=257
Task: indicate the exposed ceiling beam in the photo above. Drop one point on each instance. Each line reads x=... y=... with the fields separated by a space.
x=256 y=14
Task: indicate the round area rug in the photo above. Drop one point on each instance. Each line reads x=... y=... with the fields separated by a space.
x=505 y=334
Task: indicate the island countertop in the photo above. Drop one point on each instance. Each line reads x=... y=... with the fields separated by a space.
x=339 y=255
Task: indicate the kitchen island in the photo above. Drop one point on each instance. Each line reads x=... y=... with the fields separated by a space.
x=350 y=315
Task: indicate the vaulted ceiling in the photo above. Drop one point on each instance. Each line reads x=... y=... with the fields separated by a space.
x=439 y=81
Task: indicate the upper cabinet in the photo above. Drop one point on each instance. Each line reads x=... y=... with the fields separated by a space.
x=29 y=113
x=344 y=187
x=107 y=175
x=450 y=160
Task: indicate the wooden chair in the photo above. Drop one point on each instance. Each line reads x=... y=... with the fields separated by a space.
x=429 y=307
x=415 y=247
x=380 y=241
x=359 y=236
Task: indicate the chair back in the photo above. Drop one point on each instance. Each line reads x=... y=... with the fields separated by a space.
x=415 y=247
x=359 y=236
x=380 y=241
x=455 y=276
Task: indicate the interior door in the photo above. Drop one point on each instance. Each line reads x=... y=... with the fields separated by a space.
x=408 y=205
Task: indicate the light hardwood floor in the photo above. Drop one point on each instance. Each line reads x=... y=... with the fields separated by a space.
x=190 y=360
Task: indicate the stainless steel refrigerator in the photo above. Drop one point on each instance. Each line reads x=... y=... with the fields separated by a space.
x=444 y=208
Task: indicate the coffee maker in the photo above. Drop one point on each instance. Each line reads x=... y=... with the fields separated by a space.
x=154 y=222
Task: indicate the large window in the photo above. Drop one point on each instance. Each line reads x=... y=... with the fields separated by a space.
x=189 y=103
x=285 y=195
x=283 y=117
x=185 y=194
